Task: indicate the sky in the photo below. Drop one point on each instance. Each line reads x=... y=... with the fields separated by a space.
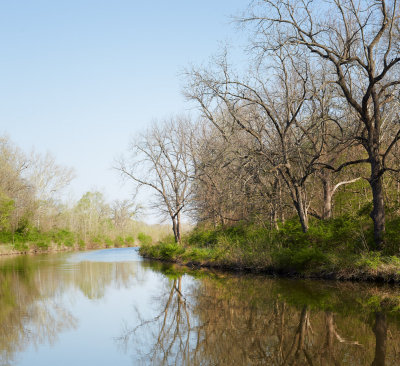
x=80 y=78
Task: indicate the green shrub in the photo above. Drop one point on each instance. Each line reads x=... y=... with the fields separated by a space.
x=129 y=240
x=203 y=238
x=198 y=254
x=168 y=249
x=20 y=246
x=301 y=259
x=108 y=242
x=41 y=245
x=370 y=260
x=81 y=243
x=392 y=237
x=145 y=239
x=119 y=241
x=96 y=240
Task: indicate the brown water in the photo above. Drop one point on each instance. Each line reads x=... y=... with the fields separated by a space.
x=110 y=307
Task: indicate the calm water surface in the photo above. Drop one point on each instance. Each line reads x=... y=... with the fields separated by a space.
x=110 y=307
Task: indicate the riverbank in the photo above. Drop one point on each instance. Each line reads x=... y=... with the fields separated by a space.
x=9 y=249
x=330 y=250
x=35 y=242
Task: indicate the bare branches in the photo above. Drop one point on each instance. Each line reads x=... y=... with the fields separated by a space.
x=354 y=40
x=160 y=159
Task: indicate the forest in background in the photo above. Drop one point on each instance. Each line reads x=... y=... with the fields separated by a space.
x=34 y=215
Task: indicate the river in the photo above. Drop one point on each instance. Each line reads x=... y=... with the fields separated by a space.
x=111 y=307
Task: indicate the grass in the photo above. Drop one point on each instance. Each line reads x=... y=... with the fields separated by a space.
x=340 y=248
x=33 y=240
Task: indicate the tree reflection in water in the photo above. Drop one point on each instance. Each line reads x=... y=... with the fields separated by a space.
x=32 y=308
x=203 y=318
x=173 y=323
x=250 y=320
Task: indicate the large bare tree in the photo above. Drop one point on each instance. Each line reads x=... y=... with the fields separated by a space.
x=160 y=159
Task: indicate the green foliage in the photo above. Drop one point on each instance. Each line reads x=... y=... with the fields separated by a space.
x=392 y=237
x=119 y=242
x=81 y=243
x=20 y=246
x=6 y=208
x=302 y=259
x=340 y=245
x=145 y=239
x=199 y=254
x=42 y=245
x=108 y=242
x=170 y=250
x=203 y=238
x=97 y=240
x=63 y=237
x=167 y=249
x=371 y=260
x=129 y=240
x=6 y=237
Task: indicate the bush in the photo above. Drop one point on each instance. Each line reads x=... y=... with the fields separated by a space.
x=108 y=242
x=198 y=254
x=170 y=250
x=42 y=245
x=370 y=260
x=203 y=238
x=145 y=239
x=63 y=237
x=129 y=240
x=119 y=241
x=81 y=244
x=302 y=259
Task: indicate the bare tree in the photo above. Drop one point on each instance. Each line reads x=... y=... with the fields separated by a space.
x=91 y=211
x=359 y=41
x=274 y=109
x=16 y=191
x=160 y=159
x=122 y=212
x=232 y=182
x=48 y=179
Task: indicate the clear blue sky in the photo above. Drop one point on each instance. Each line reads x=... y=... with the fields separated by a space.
x=78 y=78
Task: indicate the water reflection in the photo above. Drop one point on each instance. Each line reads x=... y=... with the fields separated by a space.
x=170 y=329
x=174 y=316
x=247 y=320
x=32 y=303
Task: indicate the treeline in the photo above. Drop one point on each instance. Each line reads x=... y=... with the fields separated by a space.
x=311 y=130
x=33 y=210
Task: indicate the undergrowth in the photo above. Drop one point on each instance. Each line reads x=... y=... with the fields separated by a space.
x=31 y=239
x=341 y=247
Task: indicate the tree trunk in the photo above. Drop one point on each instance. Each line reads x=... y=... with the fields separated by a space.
x=274 y=218
x=328 y=194
x=178 y=227
x=301 y=210
x=175 y=229
x=330 y=332
x=280 y=205
x=302 y=330
x=378 y=209
x=274 y=206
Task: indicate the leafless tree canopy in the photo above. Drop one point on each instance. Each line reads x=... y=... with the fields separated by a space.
x=160 y=159
x=358 y=43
